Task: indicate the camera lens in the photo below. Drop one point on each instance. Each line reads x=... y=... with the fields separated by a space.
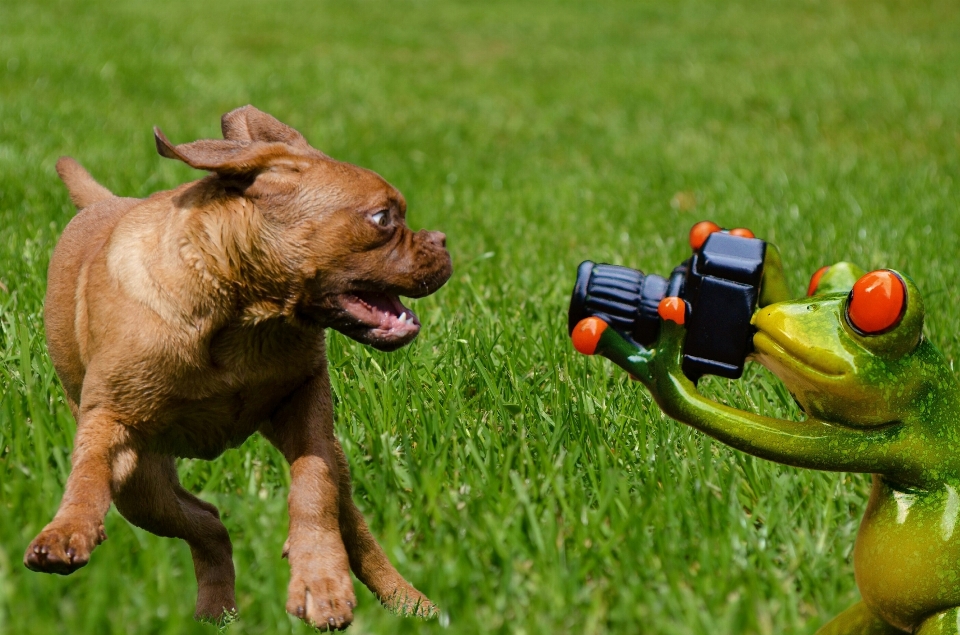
x=624 y=298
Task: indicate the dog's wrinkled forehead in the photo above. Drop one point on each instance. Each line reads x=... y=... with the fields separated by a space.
x=364 y=189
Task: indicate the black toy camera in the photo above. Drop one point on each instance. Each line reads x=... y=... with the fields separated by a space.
x=720 y=286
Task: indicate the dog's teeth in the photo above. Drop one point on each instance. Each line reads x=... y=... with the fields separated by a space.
x=403 y=317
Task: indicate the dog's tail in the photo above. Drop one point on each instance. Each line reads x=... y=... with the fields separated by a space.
x=84 y=190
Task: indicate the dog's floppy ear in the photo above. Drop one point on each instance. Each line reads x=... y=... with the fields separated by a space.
x=249 y=124
x=226 y=157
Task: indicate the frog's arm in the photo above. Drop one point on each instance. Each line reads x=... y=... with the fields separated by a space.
x=773 y=286
x=811 y=443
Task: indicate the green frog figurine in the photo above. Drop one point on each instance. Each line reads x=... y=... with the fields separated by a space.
x=879 y=399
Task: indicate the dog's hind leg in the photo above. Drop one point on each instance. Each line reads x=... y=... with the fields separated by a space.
x=65 y=544
x=367 y=559
x=153 y=499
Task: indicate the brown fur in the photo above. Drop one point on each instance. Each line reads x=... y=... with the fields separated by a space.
x=183 y=323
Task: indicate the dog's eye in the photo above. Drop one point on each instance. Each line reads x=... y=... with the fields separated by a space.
x=381 y=218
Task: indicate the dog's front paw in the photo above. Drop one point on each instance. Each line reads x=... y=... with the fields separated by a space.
x=322 y=596
x=63 y=546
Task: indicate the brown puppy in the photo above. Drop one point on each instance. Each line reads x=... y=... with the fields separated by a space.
x=181 y=324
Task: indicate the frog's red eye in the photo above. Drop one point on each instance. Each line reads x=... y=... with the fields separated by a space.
x=743 y=232
x=877 y=302
x=700 y=232
x=815 y=279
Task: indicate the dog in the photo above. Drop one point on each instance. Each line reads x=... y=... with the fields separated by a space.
x=183 y=323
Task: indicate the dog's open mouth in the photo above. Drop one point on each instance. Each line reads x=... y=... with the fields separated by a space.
x=388 y=324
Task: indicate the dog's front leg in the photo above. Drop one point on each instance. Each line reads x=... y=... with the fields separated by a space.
x=65 y=544
x=367 y=559
x=321 y=591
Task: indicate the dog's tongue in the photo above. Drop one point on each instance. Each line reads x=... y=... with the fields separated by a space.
x=381 y=311
x=382 y=303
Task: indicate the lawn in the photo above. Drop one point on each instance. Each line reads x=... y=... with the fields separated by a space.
x=523 y=487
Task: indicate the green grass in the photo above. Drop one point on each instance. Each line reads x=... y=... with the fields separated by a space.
x=523 y=487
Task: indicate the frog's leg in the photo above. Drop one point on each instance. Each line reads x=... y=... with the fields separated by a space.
x=858 y=620
x=944 y=623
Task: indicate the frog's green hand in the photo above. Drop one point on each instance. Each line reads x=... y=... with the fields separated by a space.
x=592 y=336
x=811 y=443
x=773 y=285
x=836 y=278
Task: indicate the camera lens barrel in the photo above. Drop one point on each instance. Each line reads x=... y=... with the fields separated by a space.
x=624 y=298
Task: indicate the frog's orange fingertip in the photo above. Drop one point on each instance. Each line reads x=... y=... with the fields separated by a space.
x=743 y=232
x=700 y=232
x=877 y=302
x=673 y=309
x=586 y=334
x=815 y=279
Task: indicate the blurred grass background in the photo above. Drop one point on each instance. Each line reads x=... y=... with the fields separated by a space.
x=524 y=488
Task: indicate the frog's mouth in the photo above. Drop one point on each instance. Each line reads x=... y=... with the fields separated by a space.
x=791 y=355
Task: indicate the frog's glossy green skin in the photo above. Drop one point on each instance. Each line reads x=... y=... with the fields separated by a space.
x=839 y=278
x=774 y=286
x=886 y=404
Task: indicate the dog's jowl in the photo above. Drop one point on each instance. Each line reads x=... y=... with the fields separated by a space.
x=183 y=323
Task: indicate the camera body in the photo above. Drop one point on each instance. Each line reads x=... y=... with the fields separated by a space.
x=720 y=287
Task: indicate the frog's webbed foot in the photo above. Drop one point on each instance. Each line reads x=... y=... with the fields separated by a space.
x=943 y=623
x=858 y=620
